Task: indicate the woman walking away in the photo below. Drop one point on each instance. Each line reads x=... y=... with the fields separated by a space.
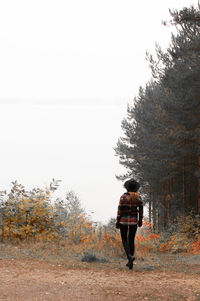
x=130 y=205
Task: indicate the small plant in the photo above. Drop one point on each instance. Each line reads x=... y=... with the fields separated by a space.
x=147 y=240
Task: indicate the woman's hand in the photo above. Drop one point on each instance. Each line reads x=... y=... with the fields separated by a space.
x=140 y=223
x=117 y=225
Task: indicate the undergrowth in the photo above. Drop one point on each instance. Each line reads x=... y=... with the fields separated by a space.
x=30 y=218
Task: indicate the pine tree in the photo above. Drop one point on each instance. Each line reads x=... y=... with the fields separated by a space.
x=161 y=143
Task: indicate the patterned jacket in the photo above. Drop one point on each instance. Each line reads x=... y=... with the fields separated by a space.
x=130 y=206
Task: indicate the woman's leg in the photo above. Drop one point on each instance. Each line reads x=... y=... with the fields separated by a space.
x=124 y=231
x=131 y=238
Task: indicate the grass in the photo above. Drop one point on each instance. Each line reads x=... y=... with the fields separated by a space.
x=69 y=256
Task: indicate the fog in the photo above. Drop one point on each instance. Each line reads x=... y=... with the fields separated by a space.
x=70 y=143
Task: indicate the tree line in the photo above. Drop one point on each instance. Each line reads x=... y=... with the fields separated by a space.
x=161 y=142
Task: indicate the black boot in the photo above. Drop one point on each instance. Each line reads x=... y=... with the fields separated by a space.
x=128 y=261
x=128 y=254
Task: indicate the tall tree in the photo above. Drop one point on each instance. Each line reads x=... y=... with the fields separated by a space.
x=161 y=147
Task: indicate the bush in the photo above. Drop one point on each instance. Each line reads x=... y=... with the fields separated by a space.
x=182 y=236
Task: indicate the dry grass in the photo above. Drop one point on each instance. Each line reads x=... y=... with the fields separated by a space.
x=70 y=256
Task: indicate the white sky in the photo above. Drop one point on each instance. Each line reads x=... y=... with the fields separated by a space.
x=67 y=71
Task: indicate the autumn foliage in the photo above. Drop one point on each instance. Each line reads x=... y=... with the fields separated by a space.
x=33 y=216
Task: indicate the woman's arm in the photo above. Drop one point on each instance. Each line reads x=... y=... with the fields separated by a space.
x=119 y=212
x=140 y=213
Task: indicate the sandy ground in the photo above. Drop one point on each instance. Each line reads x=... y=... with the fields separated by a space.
x=37 y=280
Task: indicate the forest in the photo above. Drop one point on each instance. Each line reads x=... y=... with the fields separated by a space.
x=161 y=142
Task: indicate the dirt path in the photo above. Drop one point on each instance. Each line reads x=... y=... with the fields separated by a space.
x=36 y=280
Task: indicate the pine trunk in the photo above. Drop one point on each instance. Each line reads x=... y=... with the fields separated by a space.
x=183 y=186
x=198 y=202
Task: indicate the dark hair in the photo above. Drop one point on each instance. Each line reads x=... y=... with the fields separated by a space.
x=132 y=185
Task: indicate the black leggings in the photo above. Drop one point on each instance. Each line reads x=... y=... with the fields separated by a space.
x=130 y=238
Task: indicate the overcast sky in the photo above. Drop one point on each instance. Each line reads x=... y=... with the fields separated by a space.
x=67 y=71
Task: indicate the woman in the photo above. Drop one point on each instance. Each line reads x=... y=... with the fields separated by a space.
x=130 y=205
